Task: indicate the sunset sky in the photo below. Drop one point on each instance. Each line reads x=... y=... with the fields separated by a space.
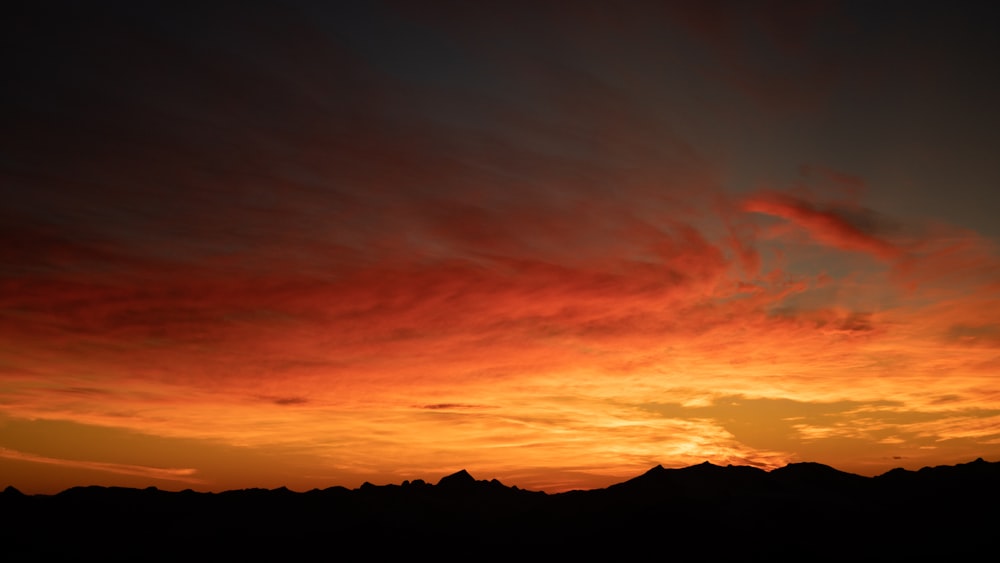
x=552 y=243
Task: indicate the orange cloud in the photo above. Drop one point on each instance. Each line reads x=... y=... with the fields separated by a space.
x=528 y=361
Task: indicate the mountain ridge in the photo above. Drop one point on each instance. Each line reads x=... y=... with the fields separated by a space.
x=463 y=479
x=705 y=512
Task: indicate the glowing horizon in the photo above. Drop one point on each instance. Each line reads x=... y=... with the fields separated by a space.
x=324 y=256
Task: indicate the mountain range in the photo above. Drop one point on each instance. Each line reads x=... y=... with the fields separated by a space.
x=706 y=512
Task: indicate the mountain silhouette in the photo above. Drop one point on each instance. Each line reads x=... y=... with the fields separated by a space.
x=458 y=479
x=705 y=512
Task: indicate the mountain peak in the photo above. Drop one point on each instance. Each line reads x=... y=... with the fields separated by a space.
x=705 y=465
x=11 y=491
x=459 y=478
x=659 y=469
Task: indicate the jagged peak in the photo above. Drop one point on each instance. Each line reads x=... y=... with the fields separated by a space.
x=659 y=469
x=461 y=477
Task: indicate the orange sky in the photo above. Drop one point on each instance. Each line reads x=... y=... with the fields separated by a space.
x=322 y=257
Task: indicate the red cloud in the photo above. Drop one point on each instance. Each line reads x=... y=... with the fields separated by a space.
x=827 y=226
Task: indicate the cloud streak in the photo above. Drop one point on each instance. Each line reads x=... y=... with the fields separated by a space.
x=834 y=227
x=159 y=473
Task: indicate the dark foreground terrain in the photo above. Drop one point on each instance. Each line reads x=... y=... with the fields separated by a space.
x=801 y=512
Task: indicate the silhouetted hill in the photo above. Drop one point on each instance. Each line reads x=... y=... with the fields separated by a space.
x=696 y=481
x=706 y=512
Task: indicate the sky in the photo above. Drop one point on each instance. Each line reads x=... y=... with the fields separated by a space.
x=309 y=244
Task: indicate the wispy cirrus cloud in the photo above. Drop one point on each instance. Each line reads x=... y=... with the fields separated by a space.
x=160 y=473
